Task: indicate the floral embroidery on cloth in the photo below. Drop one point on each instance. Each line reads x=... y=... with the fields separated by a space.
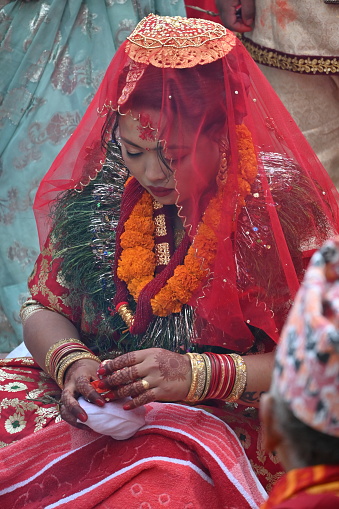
x=23 y=388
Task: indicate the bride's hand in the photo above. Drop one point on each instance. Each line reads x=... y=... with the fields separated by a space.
x=78 y=382
x=148 y=375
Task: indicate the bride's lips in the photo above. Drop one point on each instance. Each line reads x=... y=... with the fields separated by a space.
x=160 y=191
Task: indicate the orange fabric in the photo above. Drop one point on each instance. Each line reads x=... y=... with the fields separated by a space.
x=310 y=481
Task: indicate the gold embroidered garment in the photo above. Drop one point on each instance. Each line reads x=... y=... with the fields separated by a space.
x=23 y=385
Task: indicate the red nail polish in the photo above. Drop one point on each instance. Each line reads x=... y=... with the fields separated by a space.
x=126 y=407
x=101 y=371
x=99 y=402
x=82 y=418
x=102 y=385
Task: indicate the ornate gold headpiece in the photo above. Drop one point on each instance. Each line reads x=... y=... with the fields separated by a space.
x=177 y=42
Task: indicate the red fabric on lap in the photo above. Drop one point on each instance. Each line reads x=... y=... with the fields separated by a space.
x=183 y=458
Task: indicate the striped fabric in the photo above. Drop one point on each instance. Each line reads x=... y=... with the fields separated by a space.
x=182 y=458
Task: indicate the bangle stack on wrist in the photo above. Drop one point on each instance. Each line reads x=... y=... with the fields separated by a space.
x=216 y=376
x=63 y=354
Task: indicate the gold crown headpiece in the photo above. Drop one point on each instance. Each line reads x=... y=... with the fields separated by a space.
x=177 y=42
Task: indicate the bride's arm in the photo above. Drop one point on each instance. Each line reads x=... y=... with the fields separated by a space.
x=259 y=372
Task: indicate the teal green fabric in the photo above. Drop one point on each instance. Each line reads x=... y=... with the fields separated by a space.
x=53 y=55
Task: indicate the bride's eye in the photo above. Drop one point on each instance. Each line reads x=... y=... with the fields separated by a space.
x=133 y=154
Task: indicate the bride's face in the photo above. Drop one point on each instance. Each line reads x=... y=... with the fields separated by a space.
x=140 y=150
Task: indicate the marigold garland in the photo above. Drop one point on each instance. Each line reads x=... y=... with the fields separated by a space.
x=137 y=262
x=179 y=288
x=247 y=162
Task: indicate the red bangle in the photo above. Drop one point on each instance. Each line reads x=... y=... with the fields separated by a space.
x=223 y=376
x=231 y=377
x=63 y=350
x=118 y=306
x=224 y=382
x=212 y=382
x=215 y=378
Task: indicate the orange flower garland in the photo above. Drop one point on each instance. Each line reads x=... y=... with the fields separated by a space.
x=247 y=162
x=137 y=262
x=188 y=277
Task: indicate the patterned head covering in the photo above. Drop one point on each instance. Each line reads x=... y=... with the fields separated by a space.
x=306 y=374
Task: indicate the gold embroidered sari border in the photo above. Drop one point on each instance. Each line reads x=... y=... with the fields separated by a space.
x=289 y=62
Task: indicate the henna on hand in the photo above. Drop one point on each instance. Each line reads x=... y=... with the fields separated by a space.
x=110 y=365
x=172 y=366
x=143 y=399
x=77 y=366
x=78 y=382
x=134 y=389
x=86 y=389
x=121 y=377
x=70 y=410
x=169 y=374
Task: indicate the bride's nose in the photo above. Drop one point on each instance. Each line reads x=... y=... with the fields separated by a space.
x=155 y=170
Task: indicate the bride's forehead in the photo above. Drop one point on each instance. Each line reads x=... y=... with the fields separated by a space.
x=144 y=117
x=150 y=125
x=140 y=128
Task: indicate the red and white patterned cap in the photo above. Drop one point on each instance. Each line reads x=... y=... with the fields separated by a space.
x=306 y=373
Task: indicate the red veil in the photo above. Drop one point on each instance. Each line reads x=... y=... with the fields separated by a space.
x=255 y=201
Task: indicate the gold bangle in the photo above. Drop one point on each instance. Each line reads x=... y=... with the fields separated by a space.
x=194 y=381
x=68 y=361
x=201 y=378
x=55 y=346
x=29 y=307
x=28 y=311
x=240 y=378
x=208 y=376
x=29 y=301
x=65 y=362
x=226 y=356
x=198 y=377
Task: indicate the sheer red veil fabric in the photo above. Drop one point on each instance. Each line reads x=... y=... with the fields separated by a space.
x=270 y=202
